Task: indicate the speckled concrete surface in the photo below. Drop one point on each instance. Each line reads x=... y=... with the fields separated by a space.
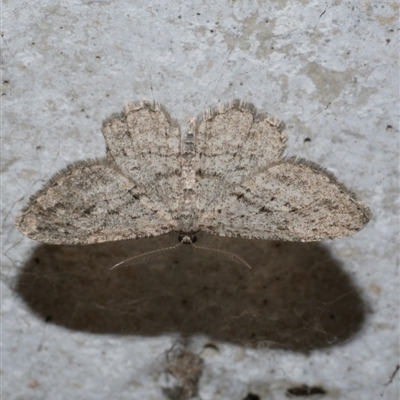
x=308 y=318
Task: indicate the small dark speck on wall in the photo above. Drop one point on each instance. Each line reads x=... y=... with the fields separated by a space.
x=305 y=390
x=252 y=396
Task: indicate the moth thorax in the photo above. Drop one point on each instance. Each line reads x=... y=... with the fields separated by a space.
x=187 y=221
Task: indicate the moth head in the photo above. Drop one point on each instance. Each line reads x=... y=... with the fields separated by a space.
x=187 y=238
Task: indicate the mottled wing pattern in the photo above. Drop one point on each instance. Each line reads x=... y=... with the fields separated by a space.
x=144 y=142
x=226 y=178
x=294 y=200
x=91 y=202
x=233 y=143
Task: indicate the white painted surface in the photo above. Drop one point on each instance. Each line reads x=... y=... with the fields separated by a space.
x=329 y=69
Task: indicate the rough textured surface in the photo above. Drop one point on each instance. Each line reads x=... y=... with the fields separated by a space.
x=214 y=184
x=185 y=368
x=307 y=315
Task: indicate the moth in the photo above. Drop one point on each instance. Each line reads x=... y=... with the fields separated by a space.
x=226 y=175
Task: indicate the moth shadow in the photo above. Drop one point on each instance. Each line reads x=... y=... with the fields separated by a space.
x=295 y=297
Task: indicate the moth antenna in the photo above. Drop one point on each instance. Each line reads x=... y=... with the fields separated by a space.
x=225 y=255
x=144 y=257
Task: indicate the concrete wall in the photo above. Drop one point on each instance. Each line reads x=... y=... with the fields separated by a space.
x=320 y=315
